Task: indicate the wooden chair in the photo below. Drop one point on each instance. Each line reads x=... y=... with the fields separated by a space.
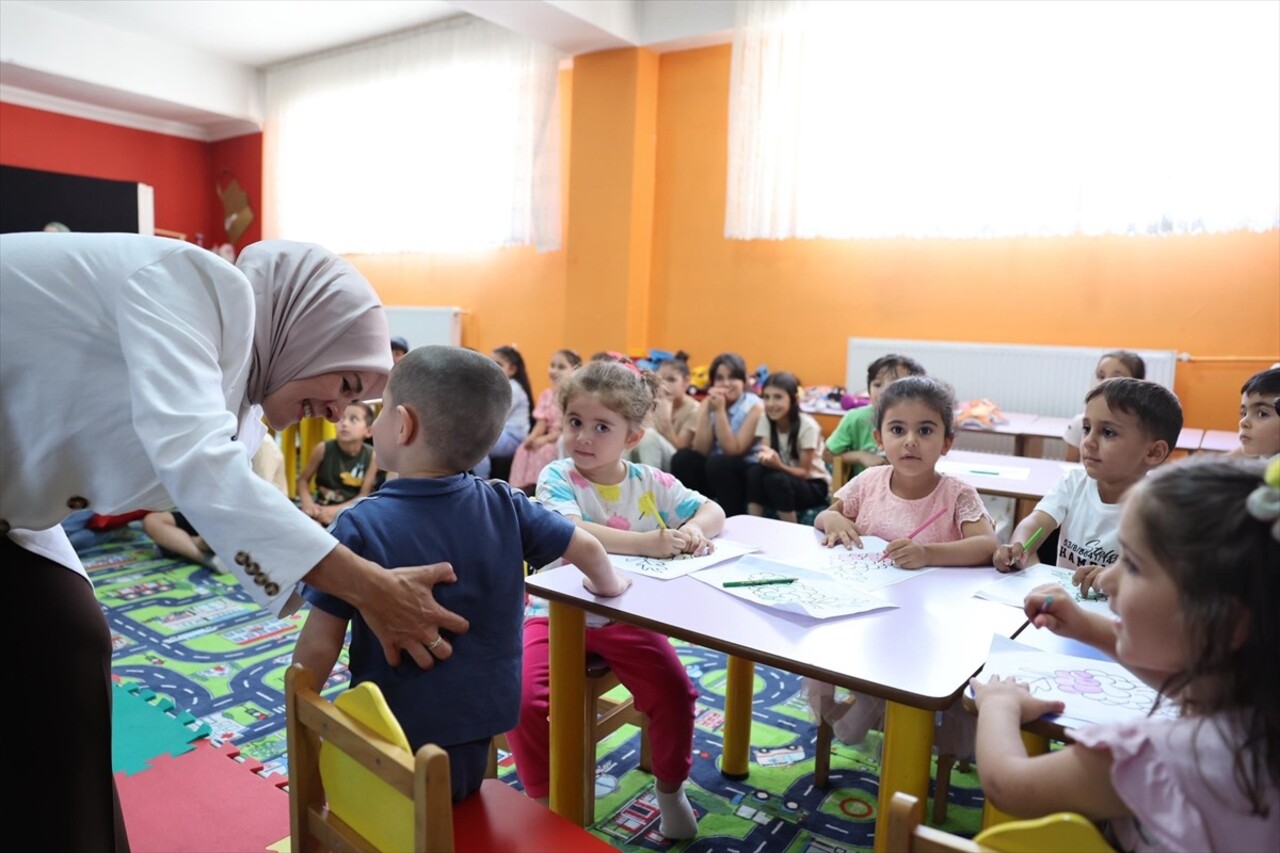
x=1062 y=832
x=354 y=786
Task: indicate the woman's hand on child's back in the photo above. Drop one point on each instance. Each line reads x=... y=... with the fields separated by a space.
x=1011 y=693
x=906 y=554
x=839 y=530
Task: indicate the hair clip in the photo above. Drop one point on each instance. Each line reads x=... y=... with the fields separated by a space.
x=1264 y=502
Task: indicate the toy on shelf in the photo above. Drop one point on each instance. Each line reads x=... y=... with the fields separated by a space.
x=979 y=414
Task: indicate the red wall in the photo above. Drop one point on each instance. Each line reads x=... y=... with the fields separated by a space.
x=182 y=171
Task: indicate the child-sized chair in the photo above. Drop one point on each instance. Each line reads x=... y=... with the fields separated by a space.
x=1062 y=832
x=354 y=786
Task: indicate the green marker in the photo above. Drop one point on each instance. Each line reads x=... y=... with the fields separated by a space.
x=1031 y=543
x=768 y=582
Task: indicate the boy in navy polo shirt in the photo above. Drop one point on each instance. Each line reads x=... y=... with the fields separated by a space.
x=442 y=411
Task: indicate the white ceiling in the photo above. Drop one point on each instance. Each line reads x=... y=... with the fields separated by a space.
x=194 y=67
x=258 y=33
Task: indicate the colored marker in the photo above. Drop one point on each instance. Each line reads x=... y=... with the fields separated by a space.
x=1035 y=537
x=648 y=506
x=1046 y=604
x=937 y=515
x=768 y=582
x=988 y=473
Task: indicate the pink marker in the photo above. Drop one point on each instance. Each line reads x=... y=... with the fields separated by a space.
x=913 y=534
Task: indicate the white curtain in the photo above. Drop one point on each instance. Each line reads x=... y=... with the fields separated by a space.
x=443 y=139
x=974 y=119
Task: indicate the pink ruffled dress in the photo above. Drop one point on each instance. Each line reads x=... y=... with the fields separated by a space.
x=527 y=465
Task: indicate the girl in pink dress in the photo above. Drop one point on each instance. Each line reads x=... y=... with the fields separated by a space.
x=914 y=426
x=1194 y=594
x=543 y=443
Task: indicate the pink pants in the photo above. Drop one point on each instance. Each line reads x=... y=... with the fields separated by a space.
x=645 y=663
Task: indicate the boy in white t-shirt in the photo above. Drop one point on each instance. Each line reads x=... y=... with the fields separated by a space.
x=1129 y=427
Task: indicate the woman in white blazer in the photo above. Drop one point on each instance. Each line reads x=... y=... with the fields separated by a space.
x=135 y=373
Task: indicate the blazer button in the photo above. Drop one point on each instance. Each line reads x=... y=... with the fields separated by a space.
x=77 y=502
x=242 y=558
x=272 y=589
x=253 y=569
x=260 y=580
x=4 y=527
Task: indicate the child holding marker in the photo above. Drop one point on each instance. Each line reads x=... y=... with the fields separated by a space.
x=632 y=509
x=1259 y=423
x=1129 y=427
x=930 y=519
x=1194 y=594
x=1117 y=363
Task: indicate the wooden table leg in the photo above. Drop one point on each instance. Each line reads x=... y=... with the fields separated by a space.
x=568 y=684
x=1036 y=745
x=908 y=745
x=739 y=691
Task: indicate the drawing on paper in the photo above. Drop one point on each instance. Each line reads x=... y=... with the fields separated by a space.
x=865 y=568
x=1064 y=575
x=1096 y=685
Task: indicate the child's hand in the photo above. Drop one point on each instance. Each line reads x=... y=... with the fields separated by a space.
x=768 y=457
x=620 y=584
x=325 y=515
x=906 y=554
x=530 y=442
x=1086 y=577
x=999 y=691
x=664 y=543
x=1010 y=558
x=1050 y=606
x=839 y=530
x=715 y=400
x=695 y=541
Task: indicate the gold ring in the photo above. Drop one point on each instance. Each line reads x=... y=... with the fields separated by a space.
x=431 y=646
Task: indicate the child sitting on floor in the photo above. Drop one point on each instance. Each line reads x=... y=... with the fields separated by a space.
x=1194 y=596
x=788 y=474
x=442 y=411
x=543 y=444
x=344 y=467
x=853 y=440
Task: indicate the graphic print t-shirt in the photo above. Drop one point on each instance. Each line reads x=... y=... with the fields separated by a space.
x=1090 y=529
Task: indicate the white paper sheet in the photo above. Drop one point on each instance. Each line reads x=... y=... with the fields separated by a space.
x=674 y=567
x=1094 y=691
x=1013 y=588
x=861 y=568
x=813 y=594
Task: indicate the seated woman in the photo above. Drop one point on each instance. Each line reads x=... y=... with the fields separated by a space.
x=724 y=437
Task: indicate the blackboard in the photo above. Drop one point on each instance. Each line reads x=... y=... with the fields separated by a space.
x=33 y=198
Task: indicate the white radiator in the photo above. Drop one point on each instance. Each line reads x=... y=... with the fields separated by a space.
x=1018 y=378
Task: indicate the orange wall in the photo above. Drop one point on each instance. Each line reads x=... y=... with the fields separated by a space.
x=793 y=304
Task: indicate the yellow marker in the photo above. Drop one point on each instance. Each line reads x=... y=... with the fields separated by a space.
x=648 y=505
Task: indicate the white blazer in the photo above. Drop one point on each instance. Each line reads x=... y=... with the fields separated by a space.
x=123 y=369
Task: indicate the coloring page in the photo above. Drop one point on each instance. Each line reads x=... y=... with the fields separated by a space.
x=811 y=593
x=1094 y=691
x=862 y=568
x=1012 y=589
x=673 y=567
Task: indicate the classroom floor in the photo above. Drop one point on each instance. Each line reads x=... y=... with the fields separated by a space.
x=200 y=732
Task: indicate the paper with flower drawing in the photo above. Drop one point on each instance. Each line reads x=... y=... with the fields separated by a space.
x=861 y=567
x=1094 y=691
x=666 y=568
x=813 y=593
x=1013 y=588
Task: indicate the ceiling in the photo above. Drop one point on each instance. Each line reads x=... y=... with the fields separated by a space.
x=258 y=33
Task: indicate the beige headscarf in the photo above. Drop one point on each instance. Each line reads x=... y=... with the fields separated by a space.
x=316 y=314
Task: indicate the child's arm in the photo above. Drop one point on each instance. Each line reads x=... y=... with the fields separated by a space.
x=1011 y=557
x=1074 y=779
x=320 y=642
x=865 y=458
x=740 y=442
x=539 y=430
x=839 y=528
x=588 y=555
x=664 y=542
x=305 y=499
x=703 y=427
x=771 y=459
x=326 y=514
x=975 y=549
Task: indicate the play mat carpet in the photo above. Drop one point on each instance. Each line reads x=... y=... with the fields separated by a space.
x=200 y=732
